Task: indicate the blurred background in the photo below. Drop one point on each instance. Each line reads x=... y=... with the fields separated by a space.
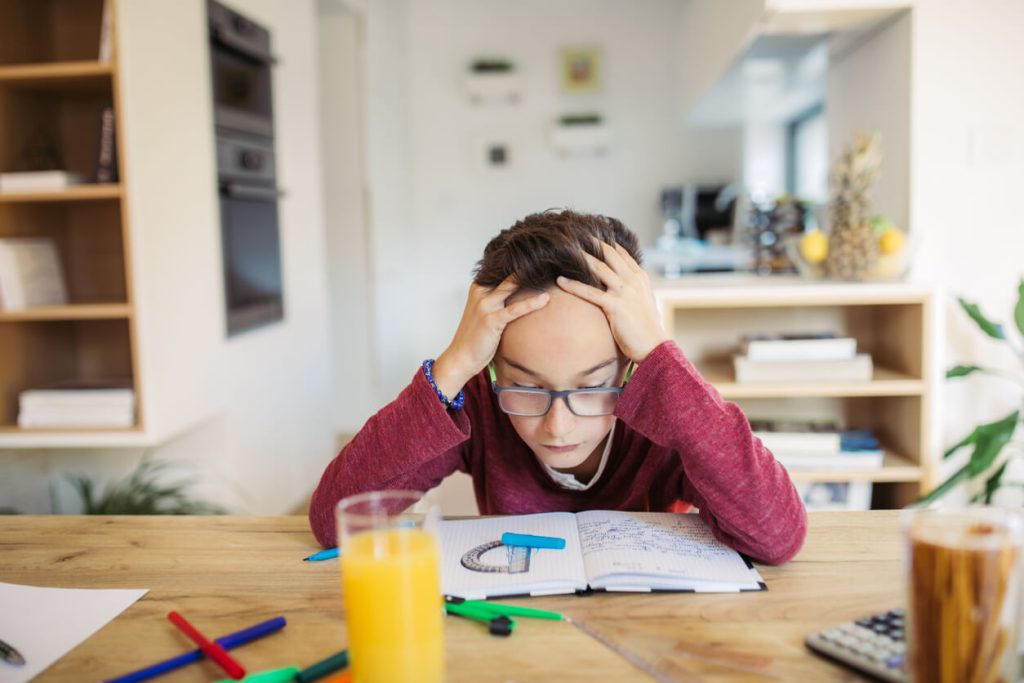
x=303 y=188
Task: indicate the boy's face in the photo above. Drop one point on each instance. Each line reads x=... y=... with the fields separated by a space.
x=567 y=344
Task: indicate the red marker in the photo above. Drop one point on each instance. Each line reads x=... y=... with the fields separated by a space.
x=211 y=649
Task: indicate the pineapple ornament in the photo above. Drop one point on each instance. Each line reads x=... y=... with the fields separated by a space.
x=852 y=246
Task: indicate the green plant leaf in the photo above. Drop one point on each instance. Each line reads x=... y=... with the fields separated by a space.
x=962 y=371
x=942 y=488
x=1018 y=311
x=990 y=328
x=993 y=483
x=141 y=494
x=966 y=441
x=991 y=439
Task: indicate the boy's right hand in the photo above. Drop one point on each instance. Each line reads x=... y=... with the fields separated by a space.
x=476 y=340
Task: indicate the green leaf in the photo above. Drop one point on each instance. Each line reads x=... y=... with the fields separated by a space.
x=1018 y=312
x=962 y=371
x=945 y=486
x=991 y=439
x=990 y=328
x=966 y=441
x=992 y=485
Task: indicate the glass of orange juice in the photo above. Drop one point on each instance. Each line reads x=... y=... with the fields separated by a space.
x=390 y=578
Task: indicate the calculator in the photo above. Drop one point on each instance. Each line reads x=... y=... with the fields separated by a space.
x=874 y=645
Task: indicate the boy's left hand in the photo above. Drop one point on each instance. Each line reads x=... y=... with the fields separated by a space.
x=628 y=303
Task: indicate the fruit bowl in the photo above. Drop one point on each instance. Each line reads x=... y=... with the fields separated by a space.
x=809 y=253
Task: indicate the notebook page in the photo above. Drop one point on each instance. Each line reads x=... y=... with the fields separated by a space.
x=474 y=564
x=660 y=550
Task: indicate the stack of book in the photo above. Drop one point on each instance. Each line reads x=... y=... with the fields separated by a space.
x=835 y=495
x=800 y=358
x=30 y=274
x=819 y=446
x=77 y=406
x=39 y=181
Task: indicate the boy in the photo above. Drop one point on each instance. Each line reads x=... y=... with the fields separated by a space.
x=561 y=391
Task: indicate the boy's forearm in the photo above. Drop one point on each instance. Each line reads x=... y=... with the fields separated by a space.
x=410 y=443
x=744 y=493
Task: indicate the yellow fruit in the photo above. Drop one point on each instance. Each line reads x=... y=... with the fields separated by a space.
x=892 y=241
x=814 y=247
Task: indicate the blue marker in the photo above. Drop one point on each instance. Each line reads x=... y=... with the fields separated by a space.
x=228 y=642
x=528 y=541
x=328 y=554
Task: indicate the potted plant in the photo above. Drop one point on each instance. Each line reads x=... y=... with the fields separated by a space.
x=138 y=494
x=988 y=441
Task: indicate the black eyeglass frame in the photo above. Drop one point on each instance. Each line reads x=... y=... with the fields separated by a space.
x=552 y=394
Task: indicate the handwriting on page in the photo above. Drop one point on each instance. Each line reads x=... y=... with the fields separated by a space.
x=675 y=544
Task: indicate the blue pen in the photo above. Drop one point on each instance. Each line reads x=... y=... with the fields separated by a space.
x=323 y=555
x=228 y=642
x=528 y=541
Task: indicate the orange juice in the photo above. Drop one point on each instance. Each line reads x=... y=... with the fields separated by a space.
x=390 y=579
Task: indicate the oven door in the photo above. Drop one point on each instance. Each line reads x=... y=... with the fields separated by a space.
x=252 y=255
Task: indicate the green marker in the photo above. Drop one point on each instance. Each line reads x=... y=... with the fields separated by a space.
x=282 y=675
x=497 y=608
x=323 y=667
x=497 y=624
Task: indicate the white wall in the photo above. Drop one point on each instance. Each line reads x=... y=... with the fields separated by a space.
x=967 y=171
x=869 y=89
x=270 y=432
x=427 y=241
x=341 y=28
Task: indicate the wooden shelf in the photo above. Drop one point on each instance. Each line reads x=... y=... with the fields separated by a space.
x=76 y=193
x=885 y=382
x=17 y=437
x=895 y=468
x=69 y=312
x=893 y=322
x=63 y=76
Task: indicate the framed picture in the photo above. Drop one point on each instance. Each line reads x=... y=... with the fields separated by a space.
x=581 y=69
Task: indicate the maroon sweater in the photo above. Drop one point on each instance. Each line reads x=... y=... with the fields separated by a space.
x=676 y=440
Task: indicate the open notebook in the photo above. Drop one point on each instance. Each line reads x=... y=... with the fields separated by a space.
x=604 y=550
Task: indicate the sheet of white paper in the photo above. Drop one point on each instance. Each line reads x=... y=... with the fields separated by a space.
x=497 y=573
x=44 y=624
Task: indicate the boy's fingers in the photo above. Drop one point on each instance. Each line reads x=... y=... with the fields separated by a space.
x=583 y=291
x=507 y=286
x=627 y=258
x=613 y=259
x=522 y=307
x=603 y=272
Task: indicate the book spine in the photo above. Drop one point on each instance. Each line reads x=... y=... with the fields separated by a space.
x=12 y=298
x=106 y=51
x=106 y=157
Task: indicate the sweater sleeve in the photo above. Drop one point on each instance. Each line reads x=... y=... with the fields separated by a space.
x=742 y=492
x=412 y=443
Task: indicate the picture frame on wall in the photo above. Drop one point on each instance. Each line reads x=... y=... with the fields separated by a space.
x=581 y=69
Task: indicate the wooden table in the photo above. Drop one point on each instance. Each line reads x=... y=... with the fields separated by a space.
x=226 y=573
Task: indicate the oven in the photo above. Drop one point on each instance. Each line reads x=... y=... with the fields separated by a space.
x=241 y=65
x=249 y=233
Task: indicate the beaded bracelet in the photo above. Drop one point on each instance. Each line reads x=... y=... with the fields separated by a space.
x=460 y=398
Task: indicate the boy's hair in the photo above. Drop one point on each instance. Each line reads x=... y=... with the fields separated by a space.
x=543 y=246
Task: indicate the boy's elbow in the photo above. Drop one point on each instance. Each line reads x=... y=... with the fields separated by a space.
x=322 y=524
x=788 y=539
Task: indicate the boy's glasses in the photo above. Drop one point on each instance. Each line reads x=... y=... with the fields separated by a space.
x=532 y=402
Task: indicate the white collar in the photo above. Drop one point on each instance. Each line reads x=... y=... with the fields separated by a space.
x=568 y=481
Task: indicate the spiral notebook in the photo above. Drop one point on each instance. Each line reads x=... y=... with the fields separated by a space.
x=604 y=550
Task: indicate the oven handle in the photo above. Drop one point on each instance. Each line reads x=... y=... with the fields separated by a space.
x=228 y=39
x=239 y=191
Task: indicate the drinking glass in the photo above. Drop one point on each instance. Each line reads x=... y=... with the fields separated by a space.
x=963 y=583
x=390 y=576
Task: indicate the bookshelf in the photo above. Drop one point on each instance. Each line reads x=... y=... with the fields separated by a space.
x=894 y=322
x=52 y=85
